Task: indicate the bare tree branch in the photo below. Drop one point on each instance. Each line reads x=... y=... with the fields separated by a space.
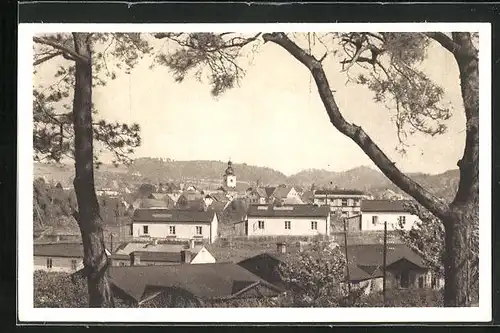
x=356 y=133
x=46 y=58
x=71 y=52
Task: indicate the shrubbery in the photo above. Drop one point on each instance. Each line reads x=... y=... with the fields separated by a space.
x=59 y=290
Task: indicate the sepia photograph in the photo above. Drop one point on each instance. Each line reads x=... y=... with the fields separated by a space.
x=304 y=167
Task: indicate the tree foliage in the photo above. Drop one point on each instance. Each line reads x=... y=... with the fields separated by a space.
x=52 y=108
x=390 y=65
x=315 y=278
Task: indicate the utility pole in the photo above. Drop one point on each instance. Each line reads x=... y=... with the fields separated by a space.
x=111 y=238
x=347 y=258
x=384 y=278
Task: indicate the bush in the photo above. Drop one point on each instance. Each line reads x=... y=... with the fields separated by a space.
x=58 y=290
x=61 y=290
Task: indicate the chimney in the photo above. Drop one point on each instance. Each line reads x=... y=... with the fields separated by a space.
x=186 y=256
x=191 y=243
x=135 y=259
x=281 y=247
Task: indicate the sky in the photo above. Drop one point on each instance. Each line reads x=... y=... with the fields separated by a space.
x=275 y=118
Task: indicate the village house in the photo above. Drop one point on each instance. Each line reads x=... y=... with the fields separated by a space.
x=178 y=224
x=405 y=269
x=374 y=213
x=154 y=253
x=287 y=195
x=59 y=257
x=347 y=202
x=187 y=285
x=285 y=220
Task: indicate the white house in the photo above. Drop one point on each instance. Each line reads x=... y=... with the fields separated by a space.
x=59 y=257
x=286 y=220
x=347 y=202
x=178 y=224
x=375 y=212
x=155 y=254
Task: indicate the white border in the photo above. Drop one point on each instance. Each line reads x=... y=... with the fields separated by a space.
x=26 y=311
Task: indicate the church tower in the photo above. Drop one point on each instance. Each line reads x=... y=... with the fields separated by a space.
x=229 y=178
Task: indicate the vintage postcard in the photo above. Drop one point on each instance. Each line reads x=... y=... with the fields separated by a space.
x=256 y=172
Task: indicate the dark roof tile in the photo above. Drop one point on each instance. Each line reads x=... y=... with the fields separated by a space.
x=288 y=211
x=384 y=206
x=172 y=215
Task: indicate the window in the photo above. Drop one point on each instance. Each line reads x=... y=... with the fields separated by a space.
x=261 y=224
x=131 y=230
x=433 y=282
x=402 y=220
x=73 y=264
x=344 y=202
x=198 y=230
x=145 y=230
x=288 y=225
x=405 y=279
x=122 y=263
x=171 y=230
x=49 y=262
x=356 y=202
x=374 y=219
x=420 y=281
x=314 y=225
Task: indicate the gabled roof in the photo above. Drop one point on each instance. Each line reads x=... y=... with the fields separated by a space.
x=269 y=191
x=158 y=196
x=281 y=191
x=372 y=255
x=288 y=211
x=64 y=250
x=128 y=248
x=339 y=191
x=172 y=215
x=191 y=195
x=152 y=203
x=384 y=206
x=206 y=281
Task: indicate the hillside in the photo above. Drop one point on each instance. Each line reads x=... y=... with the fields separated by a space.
x=208 y=174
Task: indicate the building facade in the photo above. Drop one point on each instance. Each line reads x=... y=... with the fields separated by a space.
x=229 y=177
x=59 y=257
x=286 y=220
x=375 y=212
x=178 y=224
x=347 y=202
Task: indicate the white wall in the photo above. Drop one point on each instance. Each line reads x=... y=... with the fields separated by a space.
x=275 y=226
x=59 y=264
x=203 y=257
x=183 y=230
x=390 y=217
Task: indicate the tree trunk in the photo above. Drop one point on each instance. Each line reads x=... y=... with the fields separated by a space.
x=459 y=216
x=465 y=206
x=88 y=216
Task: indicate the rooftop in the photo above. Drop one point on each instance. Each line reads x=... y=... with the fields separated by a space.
x=67 y=250
x=172 y=215
x=128 y=248
x=384 y=206
x=206 y=281
x=338 y=192
x=288 y=211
